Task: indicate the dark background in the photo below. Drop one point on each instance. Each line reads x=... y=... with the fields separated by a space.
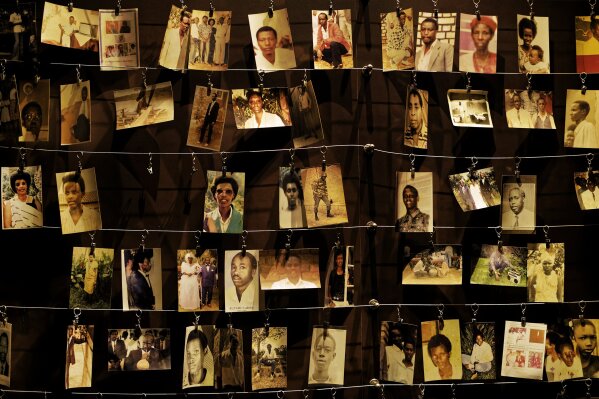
x=35 y=264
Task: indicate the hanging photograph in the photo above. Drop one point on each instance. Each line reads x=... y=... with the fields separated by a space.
x=339 y=284
x=469 y=108
x=79 y=201
x=198 y=358
x=91 y=278
x=242 y=285
x=581 y=119
x=175 y=46
x=5 y=353
x=208 y=116
x=223 y=205
x=139 y=349
x=142 y=106
x=562 y=359
x=518 y=204
x=79 y=356
x=435 y=42
x=398 y=349
x=75 y=113
x=22 y=197
x=478 y=43
x=585 y=184
x=529 y=109
x=327 y=356
x=478 y=351
x=210 y=37
x=414 y=211
x=476 y=190
x=523 y=350
x=416 y=126
x=533 y=44
x=307 y=125
x=119 y=39
x=77 y=29
x=326 y=186
x=255 y=109
x=332 y=39
x=271 y=40
x=583 y=333
x=441 y=350
x=19 y=40
x=198 y=280
x=500 y=266
x=441 y=266
x=587 y=44
x=142 y=278
x=34 y=102
x=397 y=38
x=228 y=359
x=289 y=269
x=10 y=117
x=546 y=272
x=269 y=358
x=292 y=212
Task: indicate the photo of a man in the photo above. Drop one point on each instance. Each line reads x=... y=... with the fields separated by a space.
x=79 y=201
x=272 y=42
x=397 y=38
x=478 y=351
x=327 y=356
x=416 y=126
x=398 y=349
x=153 y=352
x=518 y=205
x=505 y=265
x=34 y=101
x=434 y=49
x=198 y=361
x=241 y=281
x=581 y=119
x=229 y=359
x=142 y=278
x=75 y=113
x=210 y=34
x=223 y=212
x=76 y=29
x=175 y=46
x=332 y=39
x=289 y=269
x=517 y=117
x=141 y=106
x=414 y=202
x=326 y=187
x=269 y=358
x=584 y=336
x=255 y=109
x=208 y=115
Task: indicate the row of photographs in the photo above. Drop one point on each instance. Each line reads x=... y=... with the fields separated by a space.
x=214 y=357
x=196 y=39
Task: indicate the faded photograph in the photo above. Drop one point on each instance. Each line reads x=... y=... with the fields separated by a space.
x=478 y=43
x=75 y=113
x=79 y=201
x=583 y=334
x=436 y=41
x=198 y=280
x=546 y=272
x=228 y=359
x=269 y=358
x=439 y=266
x=10 y=116
x=581 y=119
x=223 y=204
x=339 y=284
x=585 y=184
x=469 y=108
x=292 y=212
x=79 y=356
x=476 y=190
x=523 y=350
x=19 y=39
x=141 y=106
x=307 y=126
x=34 y=103
x=119 y=39
x=141 y=281
x=478 y=351
x=414 y=203
x=500 y=266
x=533 y=44
x=518 y=206
x=242 y=281
x=77 y=29
x=441 y=348
x=327 y=356
x=139 y=349
x=198 y=356
x=326 y=186
x=586 y=30
x=5 y=353
x=289 y=269
x=398 y=350
x=91 y=278
x=210 y=37
x=397 y=38
x=332 y=39
x=175 y=46
x=416 y=126
x=255 y=109
x=529 y=109
x=562 y=360
x=271 y=40
x=22 y=197
x=208 y=116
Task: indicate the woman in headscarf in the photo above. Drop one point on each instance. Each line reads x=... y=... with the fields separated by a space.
x=480 y=60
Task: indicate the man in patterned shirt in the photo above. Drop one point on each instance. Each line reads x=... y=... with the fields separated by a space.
x=399 y=43
x=413 y=220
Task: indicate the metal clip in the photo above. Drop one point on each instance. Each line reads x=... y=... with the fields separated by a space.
x=230 y=325
x=452 y=391
x=305 y=79
x=291 y=160
x=498 y=231
x=440 y=308
x=150 y=168
x=211 y=12
x=288 y=243
x=198 y=236
x=517 y=169
x=435 y=9
x=143 y=77
x=528 y=82
x=472 y=167
x=338 y=242
x=398 y=9
x=367 y=70
x=78 y=72
x=79 y=166
x=266 y=322
x=323 y=151
x=592 y=4
x=2 y=69
x=142 y=244
x=474 y=308
x=590 y=157
x=209 y=84
x=431 y=240
x=421 y=394
x=271 y=9
x=223 y=157
x=523 y=318
x=369 y=149
x=22 y=154
x=330 y=7
x=399 y=319
x=581 y=305
x=414 y=85
x=588 y=382
x=3 y=317
x=138 y=316
x=261 y=84
x=476 y=10
x=70 y=6
x=244 y=235
x=196 y=321
x=93 y=243
x=194 y=168
x=547 y=239
x=76 y=314
x=583 y=78
x=532 y=13
x=412 y=166
x=468 y=85
x=117 y=9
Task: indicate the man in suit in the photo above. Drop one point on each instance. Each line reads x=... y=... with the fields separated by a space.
x=116 y=347
x=141 y=286
x=146 y=358
x=517 y=216
x=4 y=354
x=210 y=119
x=208 y=275
x=331 y=45
x=433 y=55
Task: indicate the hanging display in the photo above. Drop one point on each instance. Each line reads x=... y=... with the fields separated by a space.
x=271 y=40
x=292 y=212
x=414 y=199
x=142 y=278
x=332 y=39
x=229 y=369
x=523 y=350
x=208 y=116
x=289 y=269
x=75 y=113
x=307 y=125
x=198 y=277
x=478 y=351
x=397 y=39
x=91 y=278
x=22 y=197
x=79 y=356
x=580 y=122
x=147 y=349
x=476 y=189
x=546 y=272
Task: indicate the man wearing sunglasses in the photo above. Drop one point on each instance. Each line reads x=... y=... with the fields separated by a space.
x=225 y=218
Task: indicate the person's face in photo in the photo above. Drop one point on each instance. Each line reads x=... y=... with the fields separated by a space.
x=585 y=338
x=293 y=268
x=148 y=342
x=568 y=355
x=32 y=120
x=291 y=192
x=481 y=35
x=71 y=20
x=221 y=20
x=184 y=25
x=256 y=104
x=576 y=113
x=267 y=42
x=516 y=101
x=324 y=353
x=195 y=356
x=322 y=20
x=541 y=105
x=415 y=112
x=21 y=187
x=339 y=261
x=84 y=94
x=547 y=263
x=224 y=195
x=396 y=337
x=146 y=266
x=242 y=272
x=73 y=195
x=408 y=350
x=527 y=37
x=114 y=335
x=205 y=20
x=590 y=184
x=428 y=32
x=516 y=200
x=234 y=343
x=440 y=356
x=402 y=20
x=534 y=57
x=479 y=340
x=410 y=200
x=214 y=96
x=3 y=348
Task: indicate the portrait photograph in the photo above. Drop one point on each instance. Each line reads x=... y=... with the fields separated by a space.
x=78 y=201
x=119 y=39
x=478 y=351
x=441 y=350
x=414 y=203
x=242 y=281
x=398 y=351
x=208 y=116
x=5 y=353
x=500 y=266
x=581 y=119
x=79 y=356
x=339 y=284
x=198 y=280
x=478 y=43
x=10 y=117
x=228 y=359
x=210 y=37
x=91 y=278
x=139 y=349
x=518 y=204
x=292 y=212
x=198 y=357
x=326 y=186
x=529 y=109
x=75 y=113
x=307 y=125
x=141 y=281
x=19 y=40
x=435 y=41
x=22 y=197
x=477 y=190
x=332 y=39
x=34 y=102
x=523 y=350
x=142 y=106
x=282 y=269
x=256 y=110
x=469 y=109
x=546 y=272
x=585 y=185
x=327 y=356
x=563 y=359
x=397 y=39
x=175 y=45
x=416 y=126
x=271 y=40
x=443 y=266
x=579 y=332
x=269 y=358
x=77 y=29
x=223 y=204
x=587 y=44
x=533 y=44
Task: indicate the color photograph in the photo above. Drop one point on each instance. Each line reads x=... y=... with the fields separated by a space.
x=339 y=284
x=255 y=109
x=119 y=39
x=77 y=29
x=289 y=269
x=198 y=280
x=327 y=356
x=139 y=349
x=34 y=103
x=208 y=116
x=478 y=43
x=271 y=40
x=587 y=44
x=210 y=37
x=414 y=211
x=332 y=39
x=141 y=106
x=441 y=348
x=79 y=201
x=443 y=266
x=518 y=204
x=546 y=272
x=223 y=205
x=141 y=281
x=175 y=46
x=562 y=359
x=79 y=356
x=582 y=115
x=523 y=350
x=583 y=335
x=397 y=38
x=500 y=266
x=269 y=358
x=478 y=351
x=435 y=42
x=526 y=109
x=75 y=113
x=533 y=44
x=469 y=108
x=476 y=190
x=398 y=350
x=22 y=197
x=326 y=186
x=91 y=278
x=242 y=281
x=198 y=358
x=307 y=126
x=585 y=185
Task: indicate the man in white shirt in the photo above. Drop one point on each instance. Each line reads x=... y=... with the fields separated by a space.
x=481 y=358
x=220 y=41
x=517 y=217
x=518 y=117
x=293 y=267
x=260 y=117
x=433 y=55
x=583 y=133
x=269 y=358
x=204 y=32
x=542 y=119
x=270 y=57
x=400 y=362
x=590 y=196
x=195 y=41
x=243 y=295
x=323 y=354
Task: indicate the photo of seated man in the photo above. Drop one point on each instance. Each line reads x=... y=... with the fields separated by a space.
x=478 y=351
x=332 y=39
x=269 y=358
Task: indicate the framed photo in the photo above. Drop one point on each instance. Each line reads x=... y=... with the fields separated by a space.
x=10 y=129
x=475 y=190
x=587 y=44
x=529 y=109
x=326 y=186
x=271 y=40
x=441 y=266
x=518 y=206
x=327 y=356
x=75 y=113
x=478 y=351
x=581 y=123
x=533 y=44
x=228 y=352
x=469 y=109
x=198 y=280
x=397 y=38
x=478 y=43
x=340 y=281
x=414 y=211
x=34 y=102
x=500 y=266
x=441 y=349
x=289 y=269
x=119 y=39
x=436 y=37
x=139 y=349
x=22 y=199
x=523 y=350
x=256 y=110
x=398 y=349
x=142 y=278
x=307 y=126
x=141 y=106
x=242 y=289
x=198 y=356
x=5 y=353
x=210 y=37
x=77 y=29
x=224 y=202
x=91 y=278
x=79 y=201
x=208 y=116
x=79 y=356
x=546 y=272
x=175 y=46
x=416 y=126
x=585 y=184
x=292 y=211
x=269 y=368
x=332 y=39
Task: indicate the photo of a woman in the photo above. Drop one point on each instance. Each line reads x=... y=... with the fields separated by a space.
x=478 y=44
x=21 y=205
x=533 y=44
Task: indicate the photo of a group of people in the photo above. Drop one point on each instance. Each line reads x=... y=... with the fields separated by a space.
x=141 y=278
x=582 y=120
x=340 y=278
x=223 y=204
x=441 y=265
x=208 y=115
x=469 y=108
x=119 y=39
x=141 y=106
x=327 y=356
x=397 y=39
x=210 y=33
x=139 y=349
x=269 y=358
x=75 y=113
x=79 y=356
x=441 y=341
x=198 y=280
x=332 y=39
x=476 y=189
x=585 y=184
x=518 y=205
x=398 y=350
x=533 y=44
x=271 y=40
x=289 y=269
x=91 y=278
x=76 y=29
x=500 y=265
x=34 y=101
x=478 y=351
x=571 y=350
x=526 y=109
x=523 y=350
x=78 y=201
x=22 y=197
x=546 y=272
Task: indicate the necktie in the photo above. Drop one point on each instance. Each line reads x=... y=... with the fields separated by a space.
x=516 y=224
x=148 y=278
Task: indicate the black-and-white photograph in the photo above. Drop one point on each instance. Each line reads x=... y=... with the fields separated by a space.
x=242 y=281
x=469 y=108
x=257 y=109
x=585 y=184
x=518 y=204
x=22 y=197
x=18 y=39
x=34 y=103
x=5 y=353
x=416 y=126
x=79 y=201
x=141 y=106
x=269 y=358
x=546 y=272
x=139 y=349
x=398 y=351
x=10 y=117
x=229 y=359
x=208 y=115
x=210 y=33
x=292 y=213
x=198 y=357
x=581 y=119
x=272 y=42
x=478 y=351
x=529 y=109
x=327 y=356
x=76 y=29
x=307 y=126
x=79 y=356
x=414 y=203
x=339 y=284
x=141 y=278
x=475 y=190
